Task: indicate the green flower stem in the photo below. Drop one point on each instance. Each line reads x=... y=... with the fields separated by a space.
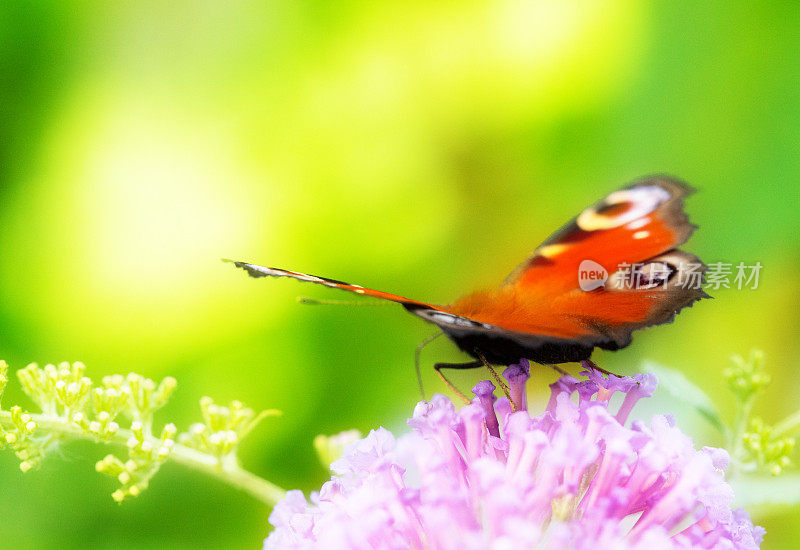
x=740 y=425
x=227 y=471
x=787 y=425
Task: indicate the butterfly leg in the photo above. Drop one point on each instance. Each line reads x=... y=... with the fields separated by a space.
x=456 y=366
x=500 y=382
x=588 y=364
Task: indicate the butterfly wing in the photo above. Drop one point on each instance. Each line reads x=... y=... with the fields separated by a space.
x=633 y=224
x=258 y=271
x=630 y=234
x=541 y=313
x=495 y=343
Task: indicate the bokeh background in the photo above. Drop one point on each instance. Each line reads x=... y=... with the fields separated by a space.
x=423 y=148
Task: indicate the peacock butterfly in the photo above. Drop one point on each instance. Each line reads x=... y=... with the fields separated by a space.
x=613 y=269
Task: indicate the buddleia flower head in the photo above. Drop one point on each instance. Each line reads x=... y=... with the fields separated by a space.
x=577 y=475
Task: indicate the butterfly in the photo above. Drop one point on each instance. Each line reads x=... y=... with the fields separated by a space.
x=613 y=269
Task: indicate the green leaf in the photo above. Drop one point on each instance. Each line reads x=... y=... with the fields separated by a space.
x=767 y=491
x=680 y=387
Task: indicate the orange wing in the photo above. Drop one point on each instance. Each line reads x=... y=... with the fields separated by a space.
x=631 y=235
x=541 y=313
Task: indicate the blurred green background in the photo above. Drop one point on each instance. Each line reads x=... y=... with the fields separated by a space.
x=420 y=148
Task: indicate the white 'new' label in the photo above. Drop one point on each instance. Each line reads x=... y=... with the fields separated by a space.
x=591 y=275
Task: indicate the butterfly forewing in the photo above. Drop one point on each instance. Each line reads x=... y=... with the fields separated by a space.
x=629 y=229
x=630 y=225
x=258 y=271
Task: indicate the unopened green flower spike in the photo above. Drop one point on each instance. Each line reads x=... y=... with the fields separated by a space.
x=757 y=445
x=769 y=449
x=3 y=376
x=121 y=410
x=223 y=427
x=746 y=377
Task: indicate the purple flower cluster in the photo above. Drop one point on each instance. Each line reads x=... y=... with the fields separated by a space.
x=489 y=477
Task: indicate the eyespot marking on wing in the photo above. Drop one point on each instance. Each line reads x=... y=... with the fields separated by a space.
x=621 y=207
x=642 y=276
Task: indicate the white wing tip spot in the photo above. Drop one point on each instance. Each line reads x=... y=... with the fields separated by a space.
x=552 y=250
x=637 y=224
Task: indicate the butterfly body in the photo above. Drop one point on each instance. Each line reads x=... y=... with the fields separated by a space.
x=544 y=312
x=503 y=347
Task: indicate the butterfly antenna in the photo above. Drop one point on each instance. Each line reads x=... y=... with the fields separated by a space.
x=305 y=300
x=418 y=354
x=558 y=369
